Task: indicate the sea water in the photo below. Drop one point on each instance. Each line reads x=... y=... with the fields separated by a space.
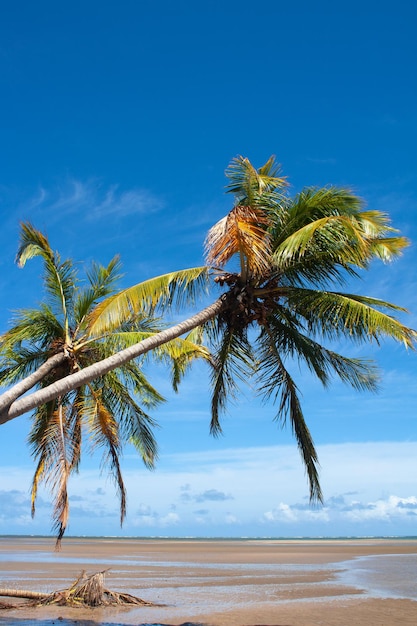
x=382 y=576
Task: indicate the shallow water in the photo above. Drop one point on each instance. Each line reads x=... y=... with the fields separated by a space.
x=383 y=576
x=191 y=588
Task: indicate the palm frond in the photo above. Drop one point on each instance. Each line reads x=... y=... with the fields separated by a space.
x=328 y=229
x=32 y=243
x=133 y=378
x=339 y=235
x=232 y=360
x=16 y=364
x=57 y=449
x=163 y=291
x=313 y=204
x=60 y=277
x=102 y=283
x=242 y=232
x=135 y=424
x=174 y=349
x=290 y=342
x=181 y=354
x=353 y=316
x=32 y=327
x=275 y=381
x=105 y=434
x=248 y=183
x=387 y=248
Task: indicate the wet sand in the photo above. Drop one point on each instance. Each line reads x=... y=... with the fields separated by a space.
x=233 y=583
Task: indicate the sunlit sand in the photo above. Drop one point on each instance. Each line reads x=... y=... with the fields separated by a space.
x=228 y=582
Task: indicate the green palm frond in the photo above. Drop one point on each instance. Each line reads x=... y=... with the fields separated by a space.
x=314 y=203
x=102 y=283
x=275 y=382
x=133 y=379
x=174 y=349
x=180 y=287
x=248 y=183
x=387 y=248
x=334 y=315
x=114 y=396
x=291 y=343
x=181 y=354
x=119 y=340
x=232 y=360
x=60 y=277
x=376 y=226
x=135 y=425
x=32 y=243
x=178 y=353
x=337 y=239
x=16 y=364
x=329 y=228
x=32 y=326
x=339 y=235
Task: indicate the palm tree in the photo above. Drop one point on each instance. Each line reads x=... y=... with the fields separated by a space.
x=46 y=344
x=278 y=259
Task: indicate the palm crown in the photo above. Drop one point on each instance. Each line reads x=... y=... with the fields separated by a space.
x=56 y=340
x=279 y=258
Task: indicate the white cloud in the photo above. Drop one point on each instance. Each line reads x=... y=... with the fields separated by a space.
x=171 y=519
x=369 y=488
x=391 y=508
x=116 y=202
x=344 y=512
x=88 y=200
x=282 y=512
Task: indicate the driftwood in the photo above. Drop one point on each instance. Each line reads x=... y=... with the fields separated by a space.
x=87 y=590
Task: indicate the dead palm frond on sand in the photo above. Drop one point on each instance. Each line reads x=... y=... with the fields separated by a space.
x=88 y=590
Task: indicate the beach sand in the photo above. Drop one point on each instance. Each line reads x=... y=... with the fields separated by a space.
x=219 y=583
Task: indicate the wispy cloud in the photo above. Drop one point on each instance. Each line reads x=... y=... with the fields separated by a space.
x=322 y=160
x=117 y=202
x=88 y=200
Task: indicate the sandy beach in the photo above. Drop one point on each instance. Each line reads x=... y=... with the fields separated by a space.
x=218 y=583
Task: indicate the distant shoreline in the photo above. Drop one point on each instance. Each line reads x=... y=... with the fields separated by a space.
x=222 y=538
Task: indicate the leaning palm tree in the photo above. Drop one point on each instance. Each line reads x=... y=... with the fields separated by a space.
x=279 y=260
x=49 y=343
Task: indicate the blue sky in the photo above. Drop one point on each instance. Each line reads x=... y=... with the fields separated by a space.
x=117 y=122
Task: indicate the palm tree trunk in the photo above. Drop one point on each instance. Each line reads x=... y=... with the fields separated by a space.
x=23 y=386
x=73 y=381
x=23 y=593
